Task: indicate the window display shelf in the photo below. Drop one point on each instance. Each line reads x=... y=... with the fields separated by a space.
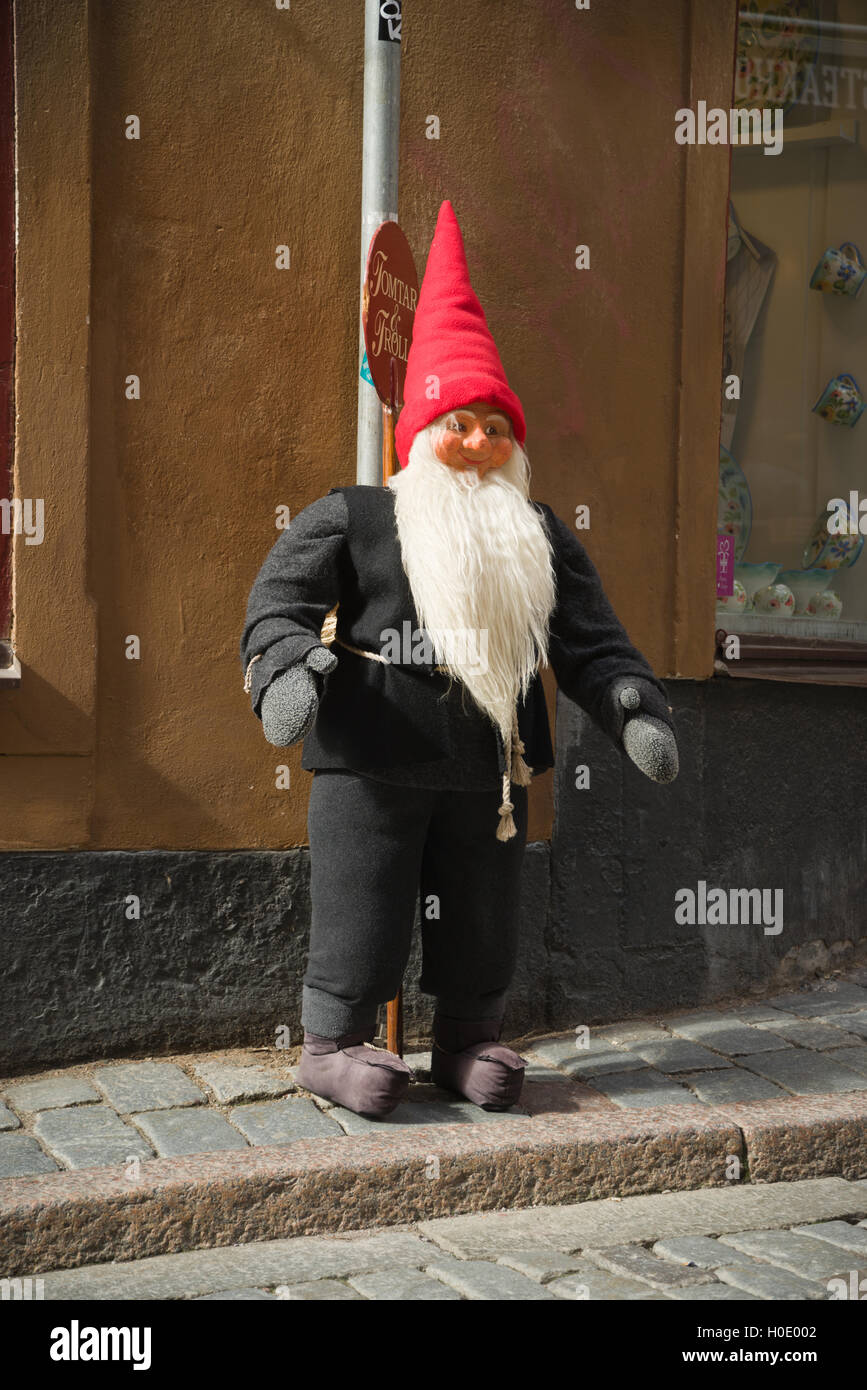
x=836 y=630
x=791 y=656
x=819 y=135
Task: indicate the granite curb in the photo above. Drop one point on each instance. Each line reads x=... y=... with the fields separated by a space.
x=803 y=1137
x=323 y=1186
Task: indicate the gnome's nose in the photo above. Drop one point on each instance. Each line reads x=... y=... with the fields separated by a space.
x=476 y=442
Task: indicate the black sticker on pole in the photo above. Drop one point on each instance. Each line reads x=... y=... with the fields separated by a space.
x=389 y=20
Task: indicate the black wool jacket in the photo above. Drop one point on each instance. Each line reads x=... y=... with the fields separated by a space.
x=344 y=549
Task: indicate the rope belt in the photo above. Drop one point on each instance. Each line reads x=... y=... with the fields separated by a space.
x=516 y=771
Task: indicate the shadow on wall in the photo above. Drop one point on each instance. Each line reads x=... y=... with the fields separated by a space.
x=37 y=720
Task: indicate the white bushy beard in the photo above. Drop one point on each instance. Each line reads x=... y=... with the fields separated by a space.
x=478 y=560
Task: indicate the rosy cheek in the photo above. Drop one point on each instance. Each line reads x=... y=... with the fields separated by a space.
x=502 y=451
x=444 y=447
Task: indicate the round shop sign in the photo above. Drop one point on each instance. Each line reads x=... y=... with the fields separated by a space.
x=389 y=299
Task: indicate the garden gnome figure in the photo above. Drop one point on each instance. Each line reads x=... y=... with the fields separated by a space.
x=400 y=632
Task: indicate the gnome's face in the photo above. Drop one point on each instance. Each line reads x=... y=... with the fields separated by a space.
x=477 y=436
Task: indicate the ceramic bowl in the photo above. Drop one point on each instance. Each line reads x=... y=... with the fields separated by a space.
x=829 y=551
x=840 y=270
x=755 y=577
x=736 y=601
x=804 y=584
x=776 y=600
x=841 y=402
x=826 y=604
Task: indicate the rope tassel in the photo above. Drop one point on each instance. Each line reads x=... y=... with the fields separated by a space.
x=328 y=633
x=506 y=828
x=522 y=775
x=517 y=772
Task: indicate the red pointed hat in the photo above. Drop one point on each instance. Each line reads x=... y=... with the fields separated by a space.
x=451 y=341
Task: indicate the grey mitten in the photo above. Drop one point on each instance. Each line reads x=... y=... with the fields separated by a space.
x=290 y=703
x=648 y=741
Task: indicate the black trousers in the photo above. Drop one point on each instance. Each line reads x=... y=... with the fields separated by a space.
x=374 y=848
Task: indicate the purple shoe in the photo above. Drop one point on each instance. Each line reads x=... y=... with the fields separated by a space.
x=366 y=1080
x=467 y=1058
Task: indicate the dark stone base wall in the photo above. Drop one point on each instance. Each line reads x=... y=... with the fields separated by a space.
x=216 y=958
x=771 y=795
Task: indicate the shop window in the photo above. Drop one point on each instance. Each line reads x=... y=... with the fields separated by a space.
x=793 y=444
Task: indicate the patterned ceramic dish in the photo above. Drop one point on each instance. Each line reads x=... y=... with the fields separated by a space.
x=825 y=605
x=841 y=402
x=831 y=552
x=735 y=505
x=804 y=584
x=736 y=601
x=840 y=270
x=776 y=600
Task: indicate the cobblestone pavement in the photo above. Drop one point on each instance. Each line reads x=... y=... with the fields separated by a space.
x=780 y=1242
x=809 y=1043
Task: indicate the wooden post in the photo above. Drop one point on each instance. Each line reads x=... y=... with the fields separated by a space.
x=389 y=455
x=394 y=1024
x=394 y=1008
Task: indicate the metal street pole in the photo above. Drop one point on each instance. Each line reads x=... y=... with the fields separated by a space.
x=379 y=162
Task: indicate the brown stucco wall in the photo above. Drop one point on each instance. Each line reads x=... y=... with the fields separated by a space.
x=156 y=257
